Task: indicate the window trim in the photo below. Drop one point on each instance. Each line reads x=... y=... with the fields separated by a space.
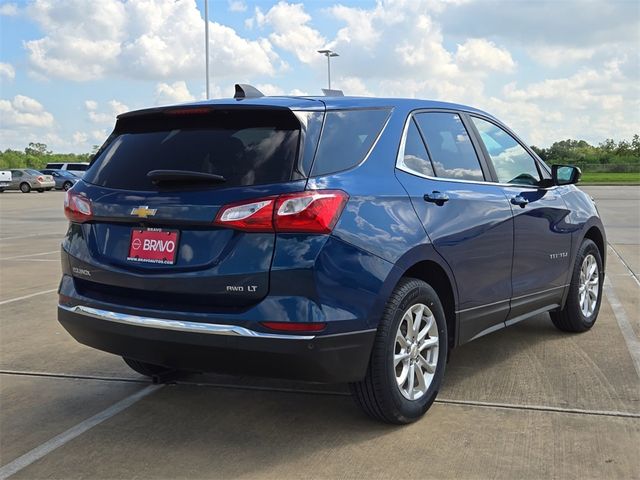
x=489 y=172
x=486 y=173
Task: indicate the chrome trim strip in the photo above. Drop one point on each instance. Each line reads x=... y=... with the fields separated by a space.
x=178 y=325
x=402 y=167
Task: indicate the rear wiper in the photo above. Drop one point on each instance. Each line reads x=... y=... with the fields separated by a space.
x=183 y=176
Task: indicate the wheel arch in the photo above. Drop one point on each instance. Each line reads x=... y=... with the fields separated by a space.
x=425 y=264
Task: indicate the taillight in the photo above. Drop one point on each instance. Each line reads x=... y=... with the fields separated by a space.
x=40 y=178
x=295 y=326
x=312 y=211
x=77 y=208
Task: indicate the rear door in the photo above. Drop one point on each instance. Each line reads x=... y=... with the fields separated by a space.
x=542 y=239
x=467 y=219
x=153 y=243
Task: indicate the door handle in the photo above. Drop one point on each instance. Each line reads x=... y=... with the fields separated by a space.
x=519 y=200
x=436 y=197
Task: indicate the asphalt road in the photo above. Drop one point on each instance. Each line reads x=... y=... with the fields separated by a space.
x=525 y=402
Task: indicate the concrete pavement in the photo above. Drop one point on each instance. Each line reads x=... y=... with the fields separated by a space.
x=526 y=402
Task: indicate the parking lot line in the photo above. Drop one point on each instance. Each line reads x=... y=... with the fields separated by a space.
x=17 y=237
x=30 y=255
x=630 y=338
x=626 y=265
x=539 y=408
x=59 y=440
x=24 y=297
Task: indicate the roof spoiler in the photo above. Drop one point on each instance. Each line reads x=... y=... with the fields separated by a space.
x=332 y=93
x=244 y=90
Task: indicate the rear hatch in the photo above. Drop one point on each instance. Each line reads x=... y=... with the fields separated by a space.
x=150 y=239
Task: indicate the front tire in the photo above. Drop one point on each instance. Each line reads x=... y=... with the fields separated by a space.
x=67 y=186
x=408 y=357
x=25 y=187
x=585 y=291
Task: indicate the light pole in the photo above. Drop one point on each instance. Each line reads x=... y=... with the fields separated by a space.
x=328 y=54
x=206 y=43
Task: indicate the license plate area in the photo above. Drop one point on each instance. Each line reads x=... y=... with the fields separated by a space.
x=153 y=245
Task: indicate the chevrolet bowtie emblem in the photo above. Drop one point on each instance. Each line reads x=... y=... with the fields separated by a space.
x=143 y=211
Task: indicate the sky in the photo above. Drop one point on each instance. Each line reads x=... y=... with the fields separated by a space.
x=549 y=69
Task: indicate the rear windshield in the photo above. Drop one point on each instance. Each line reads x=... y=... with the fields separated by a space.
x=246 y=147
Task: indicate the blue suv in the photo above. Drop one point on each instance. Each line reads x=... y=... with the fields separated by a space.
x=328 y=239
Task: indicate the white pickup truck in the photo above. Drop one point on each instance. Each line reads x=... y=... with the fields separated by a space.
x=5 y=179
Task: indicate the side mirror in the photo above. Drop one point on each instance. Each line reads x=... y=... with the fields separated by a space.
x=565 y=174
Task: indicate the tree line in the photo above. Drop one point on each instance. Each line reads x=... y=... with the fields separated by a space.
x=572 y=152
x=579 y=152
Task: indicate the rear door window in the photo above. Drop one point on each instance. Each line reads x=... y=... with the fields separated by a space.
x=347 y=136
x=449 y=145
x=415 y=157
x=245 y=146
x=511 y=161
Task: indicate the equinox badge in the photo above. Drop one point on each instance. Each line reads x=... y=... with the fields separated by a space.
x=143 y=211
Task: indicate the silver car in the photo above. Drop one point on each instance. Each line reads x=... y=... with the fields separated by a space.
x=64 y=179
x=27 y=179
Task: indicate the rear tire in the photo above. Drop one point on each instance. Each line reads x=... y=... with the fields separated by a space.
x=585 y=291
x=25 y=187
x=67 y=186
x=146 y=369
x=407 y=364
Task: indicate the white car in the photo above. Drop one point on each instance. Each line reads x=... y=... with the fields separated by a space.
x=5 y=179
x=77 y=168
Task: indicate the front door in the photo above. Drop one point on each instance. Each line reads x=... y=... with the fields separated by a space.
x=542 y=240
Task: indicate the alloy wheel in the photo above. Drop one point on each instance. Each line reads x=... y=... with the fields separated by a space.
x=589 y=286
x=415 y=355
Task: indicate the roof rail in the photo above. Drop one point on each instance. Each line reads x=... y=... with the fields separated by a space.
x=244 y=90
x=332 y=93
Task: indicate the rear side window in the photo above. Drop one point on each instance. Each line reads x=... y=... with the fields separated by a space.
x=512 y=162
x=415 y=156
x=54 y=166
x=449 y=145
x=80 y=167
x=246 y=147
x=347 y=136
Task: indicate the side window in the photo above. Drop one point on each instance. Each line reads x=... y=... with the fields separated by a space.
x=449 y=145
x=347 y=137
x=80 y=167
x=415 y=157
x=54 y=165
x=512 y=162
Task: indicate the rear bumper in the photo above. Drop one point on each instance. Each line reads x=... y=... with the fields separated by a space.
x=221 y=348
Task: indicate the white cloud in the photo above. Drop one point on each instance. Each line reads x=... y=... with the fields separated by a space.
x=237 y=6
x=176 y=92
x=108 y=115
x=269 y=89
x=80 y=138
x=147 y=40
x=9 y=9
x=7 y=71
x=482 y=54
x=291 y=30
x=24 y=111
x=555 y=56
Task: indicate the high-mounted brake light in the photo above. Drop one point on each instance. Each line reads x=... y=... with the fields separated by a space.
x=77 y=208
x=313 y=211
